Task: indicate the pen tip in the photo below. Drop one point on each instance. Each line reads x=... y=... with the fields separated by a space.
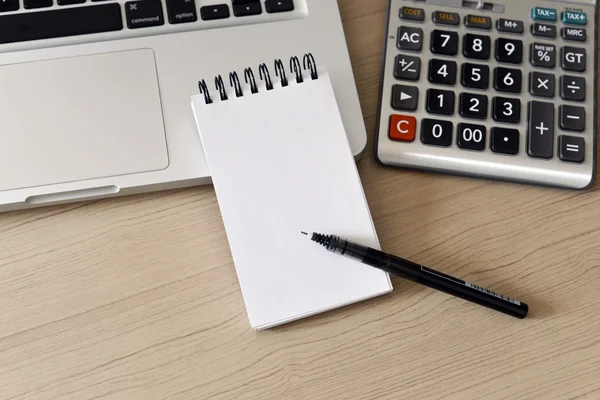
x=304 y=233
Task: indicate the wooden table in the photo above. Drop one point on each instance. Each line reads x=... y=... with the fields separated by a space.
x=137 y=297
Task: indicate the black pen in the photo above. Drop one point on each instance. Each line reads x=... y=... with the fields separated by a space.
x=423 y=275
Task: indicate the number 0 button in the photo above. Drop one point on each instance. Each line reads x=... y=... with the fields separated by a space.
x=436 y=132
x=471 y=137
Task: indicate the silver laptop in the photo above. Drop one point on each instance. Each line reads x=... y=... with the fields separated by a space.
x=95 y=95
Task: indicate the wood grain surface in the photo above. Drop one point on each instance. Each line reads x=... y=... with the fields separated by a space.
x=137 y=297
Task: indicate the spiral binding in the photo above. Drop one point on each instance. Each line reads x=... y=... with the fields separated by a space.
x=308 y=64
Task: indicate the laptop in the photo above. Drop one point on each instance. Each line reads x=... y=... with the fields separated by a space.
x=95 y=95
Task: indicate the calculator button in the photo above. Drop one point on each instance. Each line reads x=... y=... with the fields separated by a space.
x=478 y=22
x=442 y=72
x=542 y=85
x=412 y=14
x=410 y=38
x=446 y=18
x=407 y=67
x=543 y=55
x=507 y=80
x=543 y=30
x=505 y=140
x=572 y=88
x=402 y=127
x=509 y=26
x=543 y=14
x=436 y=132
x=473 y=106
x=509 y=51
x=573 y=59
x=440 y=101
x=405 y=97
x=477 y=46
x=571 y=118
x=444 y=42
x=574 y=34
x=540 y=129
x=574 y=18
x=471 y=136
x=571 y=149
x=475 y=76
x=505 y=109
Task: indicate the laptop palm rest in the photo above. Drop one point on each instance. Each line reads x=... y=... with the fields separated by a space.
x=80 y=118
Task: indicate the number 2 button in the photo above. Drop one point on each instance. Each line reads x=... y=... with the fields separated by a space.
x=444 y=42
x=473 y=105
x=477 y=46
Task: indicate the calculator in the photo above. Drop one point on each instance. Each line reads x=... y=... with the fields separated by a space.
x=500 y=90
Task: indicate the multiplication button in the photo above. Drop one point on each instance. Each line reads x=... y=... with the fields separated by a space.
x=543 y=55
x=542 y=85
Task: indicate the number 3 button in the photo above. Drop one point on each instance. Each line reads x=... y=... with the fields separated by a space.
x=436 y=132
x=506 y=110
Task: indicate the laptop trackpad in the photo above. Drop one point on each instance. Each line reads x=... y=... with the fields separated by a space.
x=80 y=118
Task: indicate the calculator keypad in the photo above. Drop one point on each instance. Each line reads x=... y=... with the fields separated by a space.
x=497 y=86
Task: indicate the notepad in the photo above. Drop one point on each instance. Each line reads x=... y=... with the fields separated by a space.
x=281 y=164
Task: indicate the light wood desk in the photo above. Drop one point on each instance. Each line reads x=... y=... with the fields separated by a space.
x=137 y=297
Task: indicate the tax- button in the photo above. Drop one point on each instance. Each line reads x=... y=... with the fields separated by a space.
x=412 y=14
x=543 y=14
x=410 y=38
x=402 y=127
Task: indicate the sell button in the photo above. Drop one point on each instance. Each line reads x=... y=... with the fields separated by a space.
x=574 y=18
x=446 y=18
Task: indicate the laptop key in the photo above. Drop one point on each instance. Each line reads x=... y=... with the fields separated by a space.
x=69 y=21
x=243 y=9
x=181 y=11
x=218 y=11
x=69 y=2
x=29 y=4
x=275 y=6
x=143 y=13
x=9 y=5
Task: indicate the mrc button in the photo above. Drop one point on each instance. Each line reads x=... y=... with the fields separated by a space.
x=574 y=34
x=412 y=14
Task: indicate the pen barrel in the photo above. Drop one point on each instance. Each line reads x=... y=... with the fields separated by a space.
x=457 y=287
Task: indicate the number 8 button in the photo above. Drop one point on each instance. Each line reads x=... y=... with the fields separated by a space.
x=477 y=46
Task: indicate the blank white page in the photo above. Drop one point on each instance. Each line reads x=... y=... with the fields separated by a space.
x=281 y=164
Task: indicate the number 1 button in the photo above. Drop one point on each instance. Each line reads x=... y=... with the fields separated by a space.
x=440 y=101
x=436 y=132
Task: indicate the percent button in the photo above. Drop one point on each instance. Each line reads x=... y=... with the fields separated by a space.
x=543 y=55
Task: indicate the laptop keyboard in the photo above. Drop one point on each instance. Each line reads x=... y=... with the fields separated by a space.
x=28 y=20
